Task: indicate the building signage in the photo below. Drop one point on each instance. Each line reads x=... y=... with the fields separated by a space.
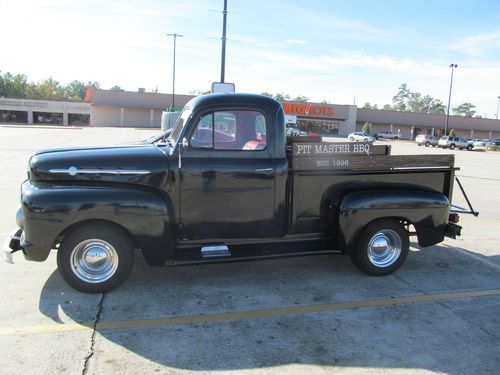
x=308 y=109
x=23 y=103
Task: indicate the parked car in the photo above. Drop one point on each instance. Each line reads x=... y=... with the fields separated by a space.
x=427 y=140
x=454 y=142
x=387 y=134
x=294 y=132
x=360 y=137
x=495 y=142
x=476 y=142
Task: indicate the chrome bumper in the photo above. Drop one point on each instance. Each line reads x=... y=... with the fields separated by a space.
x=11 y=245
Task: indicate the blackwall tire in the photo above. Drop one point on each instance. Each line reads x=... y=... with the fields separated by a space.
x=351 y=139
x=382 y=247
x=427 y=144
x=95 y=258
x=452 y=146
x=469 y=148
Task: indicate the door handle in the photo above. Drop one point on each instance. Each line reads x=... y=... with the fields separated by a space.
x=263 y=170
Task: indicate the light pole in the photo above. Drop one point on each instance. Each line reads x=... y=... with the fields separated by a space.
x=498 y=106
x=452 y=66
x=223 y=58
x=175 y=35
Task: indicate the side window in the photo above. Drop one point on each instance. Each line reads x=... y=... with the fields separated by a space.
x=231 y=130
x=203 y=134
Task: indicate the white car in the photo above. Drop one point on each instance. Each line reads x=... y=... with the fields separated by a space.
x=455 y=142
x=387 y=134
x=477 y=142
x=360 y=137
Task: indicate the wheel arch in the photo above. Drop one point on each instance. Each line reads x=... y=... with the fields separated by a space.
x=88 y=222
x=52 y=211
x=426 y=211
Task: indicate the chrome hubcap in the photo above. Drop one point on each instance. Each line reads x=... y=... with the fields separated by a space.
x=384 y=248
x=94 y=261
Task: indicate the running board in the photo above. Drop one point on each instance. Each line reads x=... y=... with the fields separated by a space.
x=215 y=251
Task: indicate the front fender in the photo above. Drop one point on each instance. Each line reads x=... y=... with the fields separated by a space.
x=50 y=209
x=427 y=211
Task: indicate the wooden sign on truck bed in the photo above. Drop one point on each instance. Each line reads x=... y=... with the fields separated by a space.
x=349 y=155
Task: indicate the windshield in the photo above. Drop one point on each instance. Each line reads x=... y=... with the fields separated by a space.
x=179 y=125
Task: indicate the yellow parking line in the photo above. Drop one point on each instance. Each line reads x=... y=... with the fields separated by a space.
x=240 y=315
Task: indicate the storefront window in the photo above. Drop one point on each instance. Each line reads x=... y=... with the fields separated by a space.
x=318 y=127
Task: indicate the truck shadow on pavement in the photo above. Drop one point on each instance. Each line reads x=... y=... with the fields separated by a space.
x=425 y=335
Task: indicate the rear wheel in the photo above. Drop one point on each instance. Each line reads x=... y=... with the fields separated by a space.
x=469 y=148
x=95 y=258
x=351 y=139
x=427 y=144
x=452 y=146
x=382 y=248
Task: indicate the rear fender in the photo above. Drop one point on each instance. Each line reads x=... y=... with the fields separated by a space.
x=427 y=211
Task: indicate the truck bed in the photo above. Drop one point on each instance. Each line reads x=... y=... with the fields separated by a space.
x=321 y=173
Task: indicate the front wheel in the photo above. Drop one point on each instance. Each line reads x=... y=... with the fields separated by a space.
x=382 y=247
x=469 y=148
x=351 y=139
x=95 y=258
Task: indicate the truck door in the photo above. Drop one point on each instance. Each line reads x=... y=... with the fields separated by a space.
x=228 y=177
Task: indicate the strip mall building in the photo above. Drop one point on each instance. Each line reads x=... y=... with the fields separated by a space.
x=140 y=109
x=334 y=119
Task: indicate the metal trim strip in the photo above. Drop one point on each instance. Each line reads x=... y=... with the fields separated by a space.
x=72 y=171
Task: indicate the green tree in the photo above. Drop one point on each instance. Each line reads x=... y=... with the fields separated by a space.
x=14 y=85
x=267 y=94
x=49 y=89
x=301 y=98
x=281 y=96
x=387 y=107
x=406 y=100
x=401 y=99
x=466 y=109
x=95 y=85
x=366 y=128
x=452 y=133
x=75 y=90
x=118 y=88
x=367 y=105
x=437 y=107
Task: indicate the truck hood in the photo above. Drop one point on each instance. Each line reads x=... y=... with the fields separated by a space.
x=142 y=164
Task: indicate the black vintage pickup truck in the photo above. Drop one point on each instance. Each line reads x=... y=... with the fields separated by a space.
x=227 y=184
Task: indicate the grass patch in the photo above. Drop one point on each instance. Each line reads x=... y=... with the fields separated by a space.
x=493 y=148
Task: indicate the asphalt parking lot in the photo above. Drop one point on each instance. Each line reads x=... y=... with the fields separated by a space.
x=308 y=315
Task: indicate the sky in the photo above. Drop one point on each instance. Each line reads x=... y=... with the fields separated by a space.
x=343 y=52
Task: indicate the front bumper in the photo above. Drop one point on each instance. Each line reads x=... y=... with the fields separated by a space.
x=11 y=245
